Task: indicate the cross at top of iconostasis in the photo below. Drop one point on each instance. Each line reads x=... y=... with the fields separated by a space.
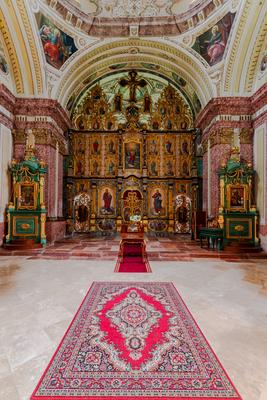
x=133 y=84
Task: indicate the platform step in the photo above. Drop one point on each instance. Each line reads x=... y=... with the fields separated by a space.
x=22 y=244
x=242 y=248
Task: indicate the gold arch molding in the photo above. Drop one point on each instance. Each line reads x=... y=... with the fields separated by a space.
x=251 y=73
x=242 y=52
x=22 y=49
x=12 y=54
x=170 y=58
x=101 y=69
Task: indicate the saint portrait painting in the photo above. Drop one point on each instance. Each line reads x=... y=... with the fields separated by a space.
x=106 y=201
x=132 y=155
x=57 y=45
x=157 y=202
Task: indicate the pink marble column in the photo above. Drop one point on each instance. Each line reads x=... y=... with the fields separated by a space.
x=50 y=146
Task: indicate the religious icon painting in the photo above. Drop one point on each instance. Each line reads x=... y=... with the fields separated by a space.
x=169 y=167
x=106 y=200
x=185 y=147
x=153 y=168
x=182 y=187
x=185 y=168
x=110 y=167
x=95 y=167
x=157 y=201
x=27 y=196
x=212 y=43
x=110 y=146
x=58 y=46
x=237 y=197
x=169 y=146
x=182 y=214
x=132 y=156
x=152 y=147
x=96 y=146
x=3 y=63
x=79 y=170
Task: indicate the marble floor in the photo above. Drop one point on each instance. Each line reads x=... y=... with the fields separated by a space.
x=39 y=296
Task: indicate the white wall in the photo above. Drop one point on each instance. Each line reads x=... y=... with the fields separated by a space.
x=5 y=158
x=260 y=168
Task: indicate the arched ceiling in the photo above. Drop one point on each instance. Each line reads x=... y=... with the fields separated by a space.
x=180 y=56
x=173 y=64
x=154 y=87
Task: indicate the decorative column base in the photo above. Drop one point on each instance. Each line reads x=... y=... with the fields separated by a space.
x=55 y=229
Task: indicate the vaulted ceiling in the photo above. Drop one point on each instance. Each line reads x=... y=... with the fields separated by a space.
x=206 y=48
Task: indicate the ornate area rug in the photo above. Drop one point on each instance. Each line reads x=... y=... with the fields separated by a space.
x=134 y=341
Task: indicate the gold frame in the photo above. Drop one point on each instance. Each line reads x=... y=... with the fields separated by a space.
x=28 y=184
x=132 y=170
x=164 y=191
x=228 y=220
x=35 y=217
x=100 y=190
x=131 y=203
x=230 y=188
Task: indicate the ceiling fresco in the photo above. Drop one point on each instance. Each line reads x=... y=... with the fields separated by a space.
x=104 y=18
x=4 y=68
x=57 y=45
x=133 y=8
x=212 y=43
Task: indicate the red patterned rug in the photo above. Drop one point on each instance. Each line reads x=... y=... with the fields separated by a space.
x=134 y=341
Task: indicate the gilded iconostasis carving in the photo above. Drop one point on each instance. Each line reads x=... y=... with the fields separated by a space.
x=131 y=152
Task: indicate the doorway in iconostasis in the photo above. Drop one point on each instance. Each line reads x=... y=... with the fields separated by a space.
x=132 y=205
x=82 y=212
x=182 y=214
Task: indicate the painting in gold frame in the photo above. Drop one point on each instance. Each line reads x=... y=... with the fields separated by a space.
x=27 y=196
x=106 y=201
x=237 y=198
x=132 y=155
x=157 y=205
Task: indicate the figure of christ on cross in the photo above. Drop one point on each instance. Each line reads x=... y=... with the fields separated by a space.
x=133 y=83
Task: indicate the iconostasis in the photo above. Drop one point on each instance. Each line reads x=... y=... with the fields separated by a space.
x=129 y=157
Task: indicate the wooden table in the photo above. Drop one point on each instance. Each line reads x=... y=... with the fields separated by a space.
x=214 y=237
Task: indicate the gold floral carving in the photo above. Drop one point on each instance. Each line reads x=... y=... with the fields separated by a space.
x=32 y=44
x=12 y=54
x=226 y=136
x=160 y=49
x=246 y=136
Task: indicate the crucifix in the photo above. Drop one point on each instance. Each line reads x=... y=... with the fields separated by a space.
x=133 y=83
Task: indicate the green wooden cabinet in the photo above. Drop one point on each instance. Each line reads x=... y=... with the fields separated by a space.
x=26 y=213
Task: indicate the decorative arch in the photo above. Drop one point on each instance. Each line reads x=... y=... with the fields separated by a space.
x=96 y=59
x=245 y=47
x=183 y=205
x=35 y=54
x=82 y=212
x=19 y=85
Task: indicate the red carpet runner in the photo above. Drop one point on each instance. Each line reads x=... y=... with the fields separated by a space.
x=134 y=341
x=132 y=260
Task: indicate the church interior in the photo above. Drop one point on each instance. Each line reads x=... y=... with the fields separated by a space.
x=133 y=126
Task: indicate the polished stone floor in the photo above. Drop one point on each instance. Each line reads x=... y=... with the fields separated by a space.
x=39 y=297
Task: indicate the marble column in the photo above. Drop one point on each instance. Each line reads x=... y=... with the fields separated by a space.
x=7 y=101
x=48 y=123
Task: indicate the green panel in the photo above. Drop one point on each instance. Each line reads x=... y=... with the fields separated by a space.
x=239 y=229
x=24 y=226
